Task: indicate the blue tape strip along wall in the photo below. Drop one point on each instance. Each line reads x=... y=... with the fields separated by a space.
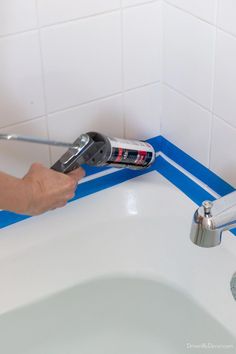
x=185 y=184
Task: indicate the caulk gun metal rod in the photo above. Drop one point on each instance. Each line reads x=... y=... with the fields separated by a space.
x=30 y=139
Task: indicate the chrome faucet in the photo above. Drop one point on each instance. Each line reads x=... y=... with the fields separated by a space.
x=211 y=219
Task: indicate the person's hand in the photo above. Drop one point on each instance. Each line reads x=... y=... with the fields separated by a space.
x=47 y=189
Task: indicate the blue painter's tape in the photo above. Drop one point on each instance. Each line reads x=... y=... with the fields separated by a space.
x=195 y=168
x=8 y=218
x=89 y=170
x=156 y=143
x=108 y=181
x=185 y=184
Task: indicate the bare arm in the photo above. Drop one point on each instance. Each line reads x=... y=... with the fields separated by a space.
x=40 y=190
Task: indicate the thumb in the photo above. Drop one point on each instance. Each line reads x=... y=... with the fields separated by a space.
x=77 y=174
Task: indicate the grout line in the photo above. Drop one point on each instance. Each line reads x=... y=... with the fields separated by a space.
x=69 y=108
x=213 y=71
x=198 y=104
x=230 y=34
x=9 y=35
x=213 y=92
x=186 y=96
x=162 y=65
x=43 y=82
x=77 y=19
x=123 y=69
x=100 y=98
x=18 y=124
x=151 y=83
x=217 y=13
x=190 y=13
x=227 y=123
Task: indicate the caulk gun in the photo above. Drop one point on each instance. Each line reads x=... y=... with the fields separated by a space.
x=96 y=149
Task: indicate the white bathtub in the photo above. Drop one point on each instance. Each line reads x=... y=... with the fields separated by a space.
x=125 y=280
x=109 y=316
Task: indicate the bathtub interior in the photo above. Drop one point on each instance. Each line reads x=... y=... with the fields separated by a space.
x=127 y=315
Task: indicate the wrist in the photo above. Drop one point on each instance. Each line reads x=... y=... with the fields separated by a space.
x=24 y=196
x=14 y=194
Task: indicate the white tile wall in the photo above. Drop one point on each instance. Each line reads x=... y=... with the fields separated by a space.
x=223 y=159
x=83 y=65
x=186 y=124
x=143 y=112
x=21 y=88
x=226 y=15
x=82 y=60
x=71 y=62
x=142 y=44
x=16 y=157
x=225 y=77
x=17 y=15
x=188 y=55
x=104 y=116
x=199 y=64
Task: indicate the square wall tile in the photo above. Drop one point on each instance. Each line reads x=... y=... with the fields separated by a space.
x=225 y=78
x=53 y=11
x=142 y=112
x=205 y=9
x=82 y=60
x=104 y=116
x=21 y=89
x=227 y=15
x=17 y=16
x=17 y=157
x=186 y=124
x=188 y=55
x=142 y=44
x=223 y=147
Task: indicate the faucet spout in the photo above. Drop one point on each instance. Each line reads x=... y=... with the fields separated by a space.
x=211 y=219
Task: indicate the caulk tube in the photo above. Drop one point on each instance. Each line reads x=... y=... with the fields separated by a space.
x=133 y=154
x=121 y=153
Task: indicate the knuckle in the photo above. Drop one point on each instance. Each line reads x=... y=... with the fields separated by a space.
x=72 y=184
x=71 y=195
x=61 y=205
x=36 y=165
x=83 y=173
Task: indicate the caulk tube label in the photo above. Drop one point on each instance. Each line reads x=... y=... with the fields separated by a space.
x=133 y=154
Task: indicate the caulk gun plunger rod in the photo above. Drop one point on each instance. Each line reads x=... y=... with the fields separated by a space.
x=29 y=139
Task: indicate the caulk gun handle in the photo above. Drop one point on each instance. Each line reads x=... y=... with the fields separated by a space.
x=89 y=148
x=59 y=167
x=74 y=156
x=68 y=162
